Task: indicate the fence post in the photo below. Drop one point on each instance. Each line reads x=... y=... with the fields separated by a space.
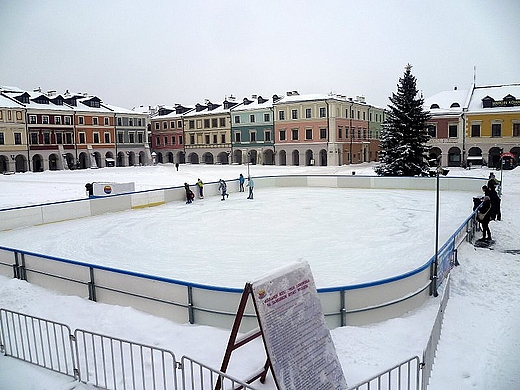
x=92 y=286
x=191 y=312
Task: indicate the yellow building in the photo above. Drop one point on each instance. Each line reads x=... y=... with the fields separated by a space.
x=493 y=123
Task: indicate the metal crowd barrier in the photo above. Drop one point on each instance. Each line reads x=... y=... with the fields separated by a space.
x=104 y=361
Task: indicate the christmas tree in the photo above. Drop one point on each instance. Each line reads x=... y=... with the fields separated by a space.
x=404 y=134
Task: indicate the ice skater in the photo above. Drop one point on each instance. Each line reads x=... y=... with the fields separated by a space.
x=241 y=181
x=251 y=185
x=200 y=184
x=189 y=193
x=222 y=186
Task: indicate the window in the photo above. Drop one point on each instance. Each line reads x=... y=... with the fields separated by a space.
x=68 y=138
x=323 y=112
x=173 y=140
x=323 y=133
x=222 y=122
x=46 y=138
x=32 y=119
x=19 y=115
x=107 y=137
x=214 y=122
x=139 y=122
x=96 y=138
x=131 y=138
x=237 y=136
x=192 y=139
x=340 y=132
x=67 y=120
x=59 y=138
x=281 y=115
x=475 y=130
x=206 y=138
x=252 y=136
x=165 y=125
x=57 y=120
x=308 y=113
x=17 y=138
x=496 y=130
x=432 y=131
x=82 y=138
x=34 y=138
x=516 y=129
x=452 y=131
x=130 y=122
x=106 y=121
x=364 y=115
x=140 y=137
x=308 y=134
x=165 y=140
x=158 y=141
x=267 y=135
x=156 y=125
x=45 y=119
x=294 y=133
x=223 y=138
x=191 y=124
x=252 y=118
x=206 y=123
x=81 y=120
x=282 y=135
x=294 y=114
x=2 y=139
x=120 y=138
x=120 y=123
x=237 y=118
x=267 y=118
x=95 y=120
x=180 y=139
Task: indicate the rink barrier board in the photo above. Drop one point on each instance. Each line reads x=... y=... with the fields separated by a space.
x=212 y=305
x=16 y=217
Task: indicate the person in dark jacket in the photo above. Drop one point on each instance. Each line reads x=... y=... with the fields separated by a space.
x=484 y=214
x=241 y=181
x=189 y=193
x=222 y=186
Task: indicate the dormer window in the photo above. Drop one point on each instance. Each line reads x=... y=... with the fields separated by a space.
x=454 y=105
x=434 y=105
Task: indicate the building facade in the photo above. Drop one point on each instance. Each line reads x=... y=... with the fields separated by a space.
x=479 y=125
x=67 y=131
x=252 y=131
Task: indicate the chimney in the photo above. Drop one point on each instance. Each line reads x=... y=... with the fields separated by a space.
x=455 y=88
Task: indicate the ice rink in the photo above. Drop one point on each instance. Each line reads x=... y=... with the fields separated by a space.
x=348 y=236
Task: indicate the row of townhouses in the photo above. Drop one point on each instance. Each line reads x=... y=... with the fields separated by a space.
x=40 y=131
x=280 y=130
x=49 y=131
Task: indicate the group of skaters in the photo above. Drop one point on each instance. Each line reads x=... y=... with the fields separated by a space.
x=489 y=203
x=222 y=187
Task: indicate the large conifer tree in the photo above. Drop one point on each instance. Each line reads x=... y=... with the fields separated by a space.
x=404 y=134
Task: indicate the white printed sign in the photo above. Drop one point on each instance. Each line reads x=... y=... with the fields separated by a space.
x=296 y=336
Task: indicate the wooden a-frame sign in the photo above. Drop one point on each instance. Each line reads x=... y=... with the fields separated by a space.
x=298 y=345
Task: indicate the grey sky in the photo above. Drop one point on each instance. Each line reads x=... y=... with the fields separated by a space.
x=133 y=53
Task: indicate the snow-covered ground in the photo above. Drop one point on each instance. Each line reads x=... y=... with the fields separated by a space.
x=480 y=342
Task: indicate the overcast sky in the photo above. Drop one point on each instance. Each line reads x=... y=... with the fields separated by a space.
x=132 y=53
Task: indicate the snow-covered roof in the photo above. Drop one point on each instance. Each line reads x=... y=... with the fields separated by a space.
x=255 y=103
x=5 y=102
x=498 y=93
x=447 y=102
x=218 y=108
x=294 y=97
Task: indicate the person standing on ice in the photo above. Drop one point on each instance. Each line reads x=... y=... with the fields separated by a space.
x=222 y=187
x=189 y=193
x=251 y=185
x=200 y=184
x=241 y=181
